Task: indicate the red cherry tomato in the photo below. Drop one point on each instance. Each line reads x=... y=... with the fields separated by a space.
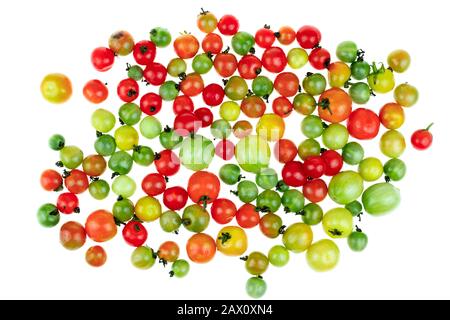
x=315 y=190
x=192 y=85
x=314 y=166
x=182 y=103
x=225 y=149
x=128 y=90
x=102 y=59
x=212 y=43
x=285 y=150
x=333 y=162
x=77 y=182
x=100 y=226
x=247 y=216
x=253 y=107
x=308 y=37
x=422 y=139
x=286 y=35
x=274 y=60
x=95 y=91
x=186 y=123
x=175 y=198
x=153 y=184
x=167 y=163
x=205 y=116
x=150 y=103
x=144 y=52
x=67 y=203
x=223 y=211
x=319 y=58
x=213 y=94
x=265 y=37
x=228 y=25
x=201 y=248
x=186 y=46
x=72 y=235
x=249 y=67
x=225 y=64
x=155 y=74
x=51 y=180
x=293 y=174
x=282 y=106
x=203 y=187
x=134 y=233
x=287 y=84
x=363 y=124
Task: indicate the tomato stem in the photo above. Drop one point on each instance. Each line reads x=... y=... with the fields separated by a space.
x=98 y=134
x=429 y=127
x=59 y=164
x=203 y=12
x=277 y=34
x=186 y=222
x=387 y=179
x=65 y=174
x=135 y=218
x=325 y=105
x=204 y=201
x=54 y=212
x=234 y=192
x=157 y=156
x=287 y=210
x=163 y=261
x=171 y=274
x=358 y=229
x=119 y=198
x=77 y=210
x=360 y=55
x=245 y=258
x=225 y=237
x=227 y=50
x=59 y=188
x=335 y=232
x=115 y=174
x=121 y=122
x=118 y=222
x=282 y=229
x=300 y=213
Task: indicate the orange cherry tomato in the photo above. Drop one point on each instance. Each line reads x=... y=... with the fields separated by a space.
x=100 y=226
x=169 y=251
x=186 y=46
x=192 y=85
x=392 y=116
x=335 y=105
x=253 y=107
x=286 y=35
x=338 y=74
x=201 y=248
x=95 y=91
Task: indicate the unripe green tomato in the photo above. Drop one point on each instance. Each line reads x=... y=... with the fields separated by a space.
x=56 y=142
x=357 y=241
x=323 y=255
x=150 y=127
x=123 y=210
x=220 y=129
x=399 y=60
x=345 y=187
x=312 y=126
x=102 y=120
x=360 y=70
x=304 y=103
x=99 y=189
x=169 y=90
x=236 y=88
x=230 y=173
x=135 y=73
x=105 y=145
x=130 y=113
x=355 y=207
x=314 y=84
x=353 y=153
x=124 y=186
x=370 y=169
x=242 y=42
x=298 y=237
x=247 y=191
x=71 y=156
x=160 y=37
x=392 y=144
x=297 y=58
x=202 y=63
x=347 y=51
x=120 y=162
x=278 y=256
x=230 y=111
x=312 y=214
x=143 y=258
x=360 y=92
x=48 y=215
x=335 y=137
x=256 y=287
x=267 y=178
x=308 y=147
x=406 y=95
x=256 y=263
x=262 y=86
x=395 y=169
x=170 y=221
x=180 y=268
x=176 y=67
x=338 y=223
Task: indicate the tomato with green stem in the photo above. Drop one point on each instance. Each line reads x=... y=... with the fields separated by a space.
x=394 y=169
x=293 y=201
x=203 y=187
x=232 y=241
x=381 y=80
x=143 y=155
x=278 y=256
x=357 y=240
x=143 y=257
x=355 y=208
x=134 y=233
x=56 y=88
x=225 y=63
x=271 y=225
x=242 y=43
x=230 y=174
x=422 y=139
x=195 y=218
x=180 y=268
x=202 y=63
x=176 y=67
x=247 y=191
x=56 y=142
x=124 y=186
x=262 y=86
x=323 y=255
x=360 y=69
x=335 y=105
x=298 y=237
x=338 y=223
x=268 y=200
x=160 y=37
x=105 y=145
x=314 y=83
x=256 y=287
x=123 y=210
x=168 y=252
x=206 y=21
x=48 y=215
x=99 y=189
x=170 y=221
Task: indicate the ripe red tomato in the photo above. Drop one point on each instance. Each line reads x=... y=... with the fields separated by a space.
x=134 y=233
x=249 y=67
x=213 y=94
x=201 y=248
x=168 y=251
x=175 y=198
x=150 y=103
x=274 y=59
x=286 y=35
x=186 y=123
x=314 y=166
x=225 y=149
x=247 y=216
x=128 y=90
x=253 y=107
x=422 y=139
x=155 y=73
x=203 y=187
x=51 y=180
x=265 y=37
x=225 y=64
x=153 y=184
x=282 y=106
x=315 y=190
x=293 y=174
x=186 y=46
x=167 y=163
x=192 y=85
x=285 y=150
x=144 y=52
x=333 y=162
x=67 y=203
x=319 y=58
x=100 y=226
x=77 y=182
x=363 y=124
x=223 y=210
x=102 y=59
x=308 y=37
x=182 y=103
x=212 y=43
x=205 y=116
x=228 y=25
x=335 y=105
x=72 y=235
x=287 y=84
x=95 y=91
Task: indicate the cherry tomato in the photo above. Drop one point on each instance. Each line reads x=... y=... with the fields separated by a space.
x=155 y=73
x=265 y=37
x=285 y=150
x=287 y=84
x=67 y=203
x=204 y=116
x=213 y=95
x=169 y=251
x=150 y=103
x=293 y=174
x=186 y=46
x=223 y=211
x=154 y=184
x=175 y=198
x=271 y=127
x=134 y=233
x=247 y=216
x=102 y=59
x=399 y=60
x=392 y=144
x=282 y=106
x=335 y=105
x=298 y=237
x=96 y=256
x=94 y=165
x=232 y=241
x=72 y=235
x=225 y=64
x=274 y=59
x=128 y=90
x=333 y=162
x=203 y=187
x=314 y=166
x=228 y=25
x=201 y=248
x=56 y=88
x=406 y=95
x=271 y=225
x=253 y=107
x=242 y=129
x=167 y=163
x=308 y=37
x=212 y=43
x=144 y=52
x=77 y=182
x=100 y=226
x=422 y=139
x=186 y=123
x=236 y=88
x=338 y=75
x=51 y=180
x=121 y=42
x=392 y=116
x=192 y=85
x=319 y=58
x=95 y=91
x=249 y=67
x=182 y=103
x=315 y=190
x=285 y=35
x=381 y=80
x=363 y=124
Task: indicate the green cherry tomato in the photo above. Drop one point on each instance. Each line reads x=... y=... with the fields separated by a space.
x=202 y=63
x=71 y=156
x=124 y=186
x=130 y=113
x=262 y=86
x=270 y=200
x=338 y=223
x=180 y=268
x=160 y=37
x=406 y=95
x=102 y=120
x=392 y=144
x=360 y=92
x=256 y=287
x=170 y=221
x=298 y=237
x=297 y=58
x=242 y=42
x=105 y=145
x=381 y=81
x=99 y=189
x=169 y=90
x=150 y=127
x=56 y=88
x=126 y=137
x=169 y=139
x=176 y=67
x=123 y=210
x=308 y=147
x=395 y=169
x=312 y=214
x=314 y=84
x=282 y=186
x=312 y=126
x=143 y=155
x=195 y=218
x=230 y=174
x=399 y=60
x=229 y=111
x=220 y=129
x=143 y=258
x=346 y=187
x=271 y=225
x=323 y=255
x=360 y=70
x=347 y=51
x=357 y=241
x=355 y=207
x=56 y=142
x=252 y=153
x=120 y=162
x=236 y=88
x=278 y=256
x=256 y=263
x=247 y=191
x=48 y=215
x=196 y=152
x=381 y=198
x=135 y=72
x=304 y=103
x=267 y=178
x=353 y=153
x=335 y=137
x=293 y=201
x=370 y=169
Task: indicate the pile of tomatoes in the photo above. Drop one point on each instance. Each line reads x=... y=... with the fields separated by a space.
x=330 y=105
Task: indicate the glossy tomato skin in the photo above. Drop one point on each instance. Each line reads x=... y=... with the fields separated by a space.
x=253 y=107
x=175 y=198
x=100 y=226
x=155 y=73
x=77 y=182
x=293 y=174
x=274 y=59
x=186 y=123
x=308 y=37
x=95 y=91
x=150 y=103
x=102 y=58
x=223 y=210
x=167 y=163
x=285 y=150
x=319 y=58
x=282 y=106
x=247 y=216
x=182 y=103
x=225 y=64
x=422 y=139
x=192 y=85
x=213 y=94
x=363 y=124
x=333 y=162
x=249 y=67
x=51 y=180
x=335 y=105
x=154 y=184
x=128 y=90
x=96 y=256
x=287 y=84
x=201 y=248
x=72 y=235
x=144 y=52
x=212 y=43
x=67 y=203
x=314 y=166
x=205 y=116
x=228 y=25
x=286 y=35
x=186 y=46
x=134 y=233
x=203 y=186
x=315 y=190
x=265 y=37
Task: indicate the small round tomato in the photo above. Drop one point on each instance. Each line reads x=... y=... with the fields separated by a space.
x=134 y=233
x=308 y=37
x=232 y=241
x=274 y=59
x=406 y=95
x=102 y=59
x=168 y=251
x=203 y=187
x=293 y=174
x=77 y=182
x=271 y=127
x=285 y=150
x=271 y=225
x=242 y=129
x=201 y=248
x=150 y=103
x=338 y=223
x=333 y=162
x=287 y=84
x=282 y=106
x=195 y=218
x=204 y=116
x=256 y=263
x=182 y=103
x=314 y=166
x=128 y=90
x=335 y=105
x=392 y=116
x=225 y=64
x=228 y=25
x=72 y=235
x=285 y=35
x=223 y=210
x=392 y=144
x=192 y=85
x=186 y=123
x=315 y=190
x=121 y=42
x=96 y=256
x=213 y=94
x=67 y=203
x=363 y=124
x=144 y=52
x=48 y=215
x=154 y=184
x=148 y=209
x=249 y=67
x=95 y=91
x=381 y=80
x=297 y=58
x=167 y=163
x=422 y=139
x=155 y=74
x=212 y=43
x=247 y=216
x=100 y=226
x=319 y=58
x=338 y=74
x=175 y=198
x=94 y=165
x=399 y=60
x=186 y=46
x=323 y=255
x=298 y=237
x=236 y=88
x=253 y=107
x=265 y=37
x=56 y=88
x=51 y=180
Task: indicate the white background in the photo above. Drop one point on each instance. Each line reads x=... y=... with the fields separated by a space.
x=408 y=255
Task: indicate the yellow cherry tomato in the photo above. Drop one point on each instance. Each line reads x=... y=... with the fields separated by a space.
x=298 y=237
x=56 y=88
x=297 y=58
x=271 y=127
x=148 y=209
x=392 y=116
x=232 y=241
x=126 y=138
x=392 y=144
x=338 y=74
x=230 y=111
x=399 y=60
x=338 y=223
x=370 y=169
x=381 y=80
x=406 y=95
x=323 y=255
